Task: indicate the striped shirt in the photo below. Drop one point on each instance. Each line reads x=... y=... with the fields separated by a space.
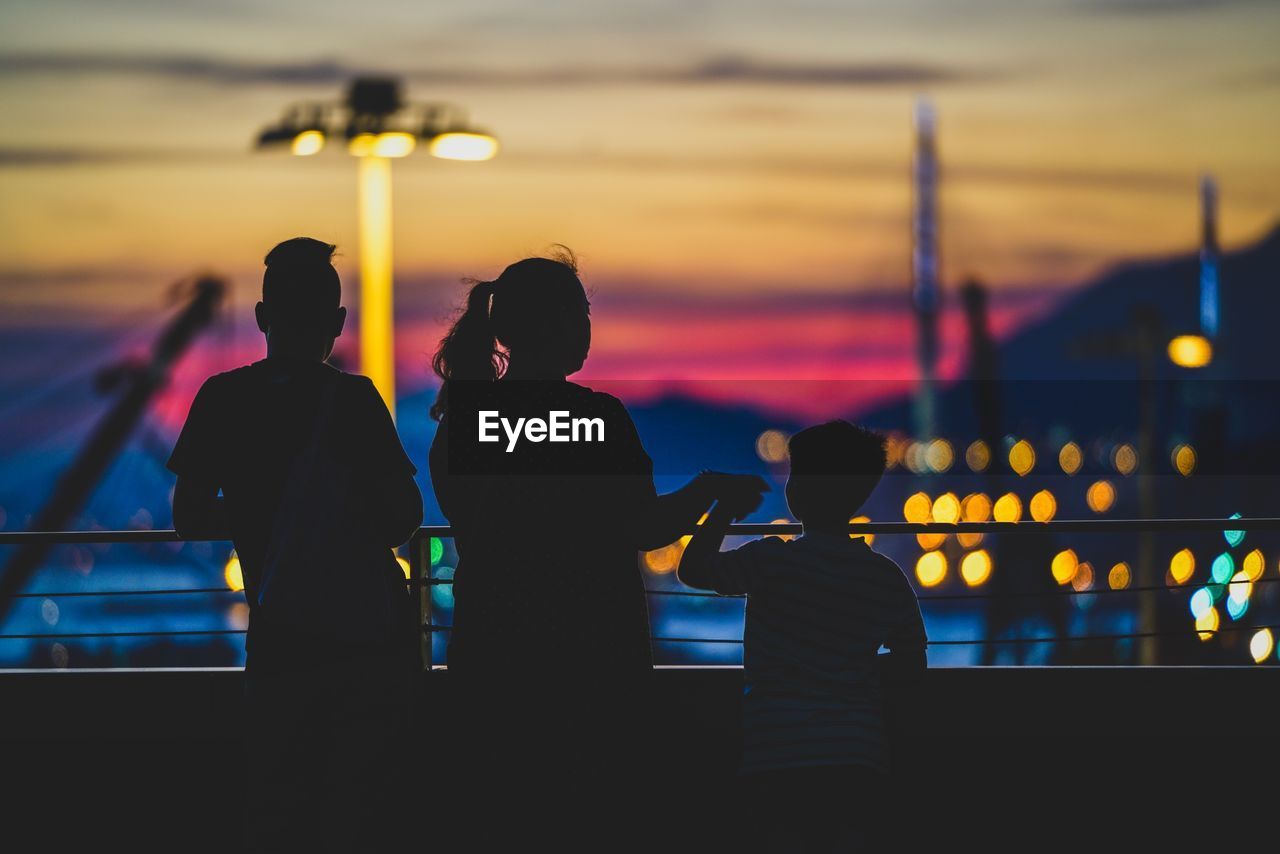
x=818 y=610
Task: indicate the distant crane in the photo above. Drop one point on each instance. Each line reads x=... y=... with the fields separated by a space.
x=79 y=480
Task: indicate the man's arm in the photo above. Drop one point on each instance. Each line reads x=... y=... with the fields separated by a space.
x=697 y=564
x=199 y=513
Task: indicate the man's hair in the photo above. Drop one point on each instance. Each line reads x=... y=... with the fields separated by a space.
x=300 y=284
x=839 y=465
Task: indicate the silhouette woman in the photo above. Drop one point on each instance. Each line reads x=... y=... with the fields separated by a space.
x=546 y=531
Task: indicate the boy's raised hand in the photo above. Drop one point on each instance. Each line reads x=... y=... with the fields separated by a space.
x=738 y=494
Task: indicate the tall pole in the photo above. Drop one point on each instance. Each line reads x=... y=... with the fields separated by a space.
x=377 y=321
x=1209 y=298
x=924 y=266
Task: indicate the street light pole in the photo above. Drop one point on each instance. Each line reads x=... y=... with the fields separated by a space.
x=378 y=125
x=377 y=310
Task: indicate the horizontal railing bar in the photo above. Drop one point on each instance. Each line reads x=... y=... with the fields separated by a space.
x=1083 y=526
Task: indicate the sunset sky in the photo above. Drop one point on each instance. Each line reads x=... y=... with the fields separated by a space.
x=733 y=175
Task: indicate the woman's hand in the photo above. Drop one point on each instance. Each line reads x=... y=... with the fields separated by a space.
x=739 y=495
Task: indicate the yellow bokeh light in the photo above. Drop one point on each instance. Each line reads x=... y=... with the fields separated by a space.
x=1022 y=457
x=975 y=568
x=1190 y=351
x=946 y=508
x=361 y=145
x=918 y=508
x=1119 y=576
x=464 y=146
x=894 y=447
x=404 y=567
x=783 y=536
x=1182 y=566
x=1253 y=565
x=976 y=507
x=968 y=541
x=931 y=541
x=663 y=560
x=1125 y=459
x=939 y=456
x=394 y=144
x=233 y=574
x=1100 y=496
x=931 y=568
x=1043 y=506
x=307 y=143
x=1069 y=458
x=977 y=456
x=1184 y=460
x=1240 y=588
x=1083 y=579
x=914 y=458
x=1261 y=644
x=1008 y=508
x=1207 y=624
x=1064 y=566
x=771 y=446
x=870 y=538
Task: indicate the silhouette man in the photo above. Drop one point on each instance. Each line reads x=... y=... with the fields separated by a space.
x=301 y=466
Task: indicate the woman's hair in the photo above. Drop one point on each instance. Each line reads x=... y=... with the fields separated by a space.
x=517 y=310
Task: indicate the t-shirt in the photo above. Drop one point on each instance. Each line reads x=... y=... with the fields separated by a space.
x=818 y=610
x=245 y=428
x=547 y=555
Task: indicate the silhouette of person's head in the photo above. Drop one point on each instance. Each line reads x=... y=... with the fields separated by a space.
x=532 y=322
x=834 y=469
x=300 y=312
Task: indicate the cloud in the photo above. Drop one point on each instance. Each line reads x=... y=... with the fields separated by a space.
x=1162 y=7
x=713 y=70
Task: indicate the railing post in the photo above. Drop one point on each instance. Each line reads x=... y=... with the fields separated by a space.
x=420 y=572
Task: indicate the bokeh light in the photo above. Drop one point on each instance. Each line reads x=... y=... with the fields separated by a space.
x=1253 y=565
x=975 y=507
x=1235 y=537
x=918 y=508
x=404 y=567
x=1120 y=576
x=1201 y=602
x=931 y=568
x=1240 y=588
x=1083 y=578
x=1236 y=608
x=1207 y=623
x=939 y=455
x=975 y=567
x=663 y=560
x=1043 y=506
x=437 y=550
x=1070 y=458
x=1222 y=568
x=233 y=574
x=946 y=508
x=928 y=542
x=771 y=446
x=1100 y=496
x=1064 y=566
x=1008 y=508
x=1190 y=351
x=1022 y=457
x=442 y=594
x=1184 y=460
x=1182 y=566
x=977 y=456
x=1124 y=459
x=1261 y=644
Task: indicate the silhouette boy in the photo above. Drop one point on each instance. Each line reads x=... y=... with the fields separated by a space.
x=259 y=445
x=819 y=608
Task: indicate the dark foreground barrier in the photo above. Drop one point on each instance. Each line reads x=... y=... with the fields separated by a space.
x=993 y=759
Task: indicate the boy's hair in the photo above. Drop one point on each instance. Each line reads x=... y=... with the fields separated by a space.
x=300 y=285
x=839 y=465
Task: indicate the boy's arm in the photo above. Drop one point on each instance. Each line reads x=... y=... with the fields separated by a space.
x=703 y=565
x=906 y=660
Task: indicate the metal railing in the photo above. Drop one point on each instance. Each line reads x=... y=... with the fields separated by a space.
x=420 y=581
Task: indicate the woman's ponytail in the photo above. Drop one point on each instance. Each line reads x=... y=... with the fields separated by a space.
x=470 y=349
